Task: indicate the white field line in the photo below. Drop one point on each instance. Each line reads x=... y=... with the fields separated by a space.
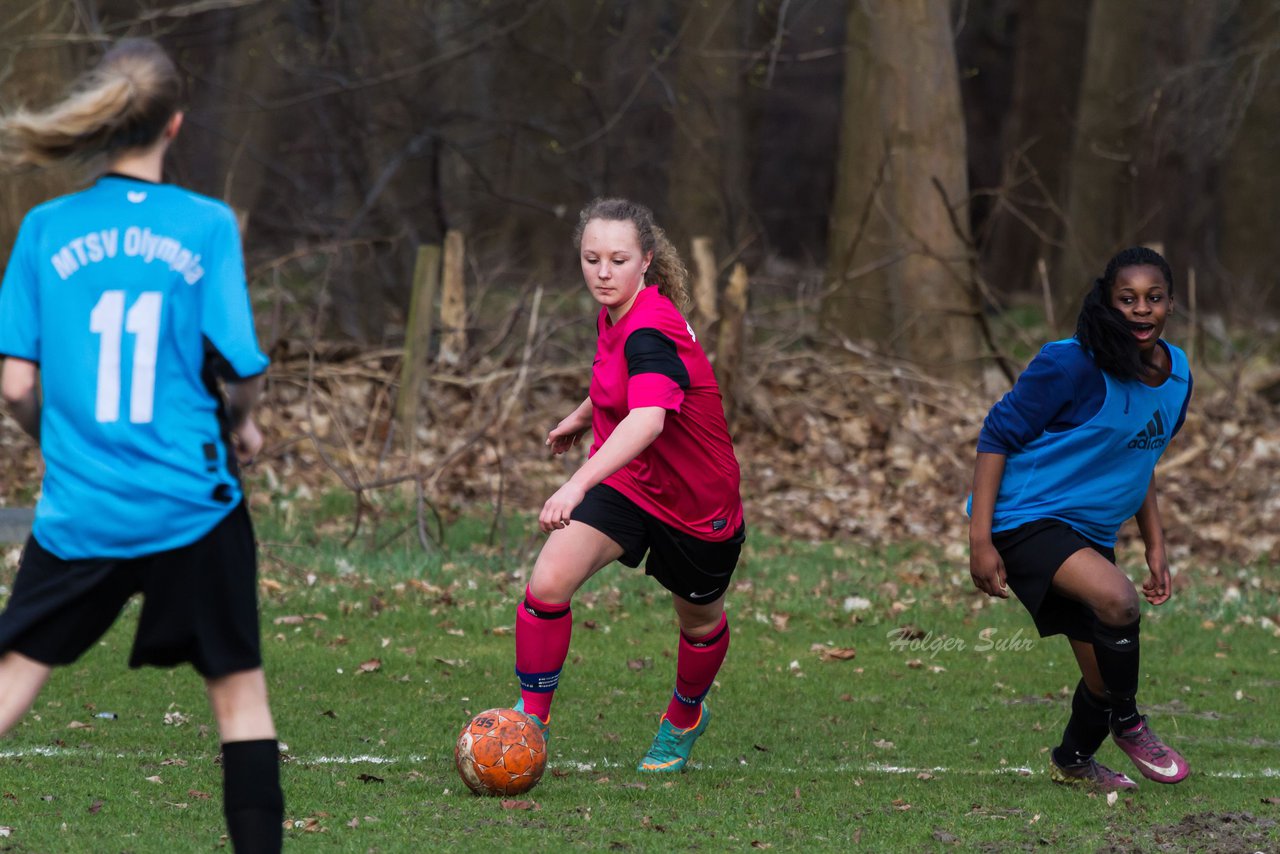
x=570 y=765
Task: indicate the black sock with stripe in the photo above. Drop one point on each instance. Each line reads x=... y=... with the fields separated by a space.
x=1117 y=652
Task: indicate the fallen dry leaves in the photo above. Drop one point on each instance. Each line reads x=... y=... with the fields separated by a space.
x=832 y=445
x=520 y=805
x=833 y=653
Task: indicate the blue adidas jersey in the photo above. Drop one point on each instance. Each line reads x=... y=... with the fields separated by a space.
x=131 y=297
x=1095 y=475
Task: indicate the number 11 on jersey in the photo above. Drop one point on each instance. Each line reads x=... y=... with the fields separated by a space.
x=110 y=321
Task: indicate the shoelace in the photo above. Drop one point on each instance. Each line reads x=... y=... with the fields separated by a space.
x=1143 y=739
x=668 y=738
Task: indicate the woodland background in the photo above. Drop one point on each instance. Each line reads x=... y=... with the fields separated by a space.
x=919 y=192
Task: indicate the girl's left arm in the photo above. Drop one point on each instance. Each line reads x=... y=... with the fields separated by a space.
x=632 y=435
x=21 y=395
x=1157 y=587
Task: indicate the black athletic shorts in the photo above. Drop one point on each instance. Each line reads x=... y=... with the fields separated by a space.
x=1032 y=554
x=695 y=570
x=200 y=603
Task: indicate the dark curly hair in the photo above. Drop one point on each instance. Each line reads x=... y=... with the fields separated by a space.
x=1100 y=327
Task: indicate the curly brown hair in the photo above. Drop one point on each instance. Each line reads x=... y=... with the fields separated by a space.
x=667 y=270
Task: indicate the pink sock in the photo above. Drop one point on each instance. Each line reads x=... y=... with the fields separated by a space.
x=542 y=644
x=697 y=663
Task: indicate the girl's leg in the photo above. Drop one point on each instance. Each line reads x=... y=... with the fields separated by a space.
x=252 y=800
x=1088 y=726
x=543 y=621
x=703 y=644
x=1090 y=578
x=21 y=679
x=704 y=640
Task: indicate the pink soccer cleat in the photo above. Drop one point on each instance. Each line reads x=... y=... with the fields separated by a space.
x=1155 y=759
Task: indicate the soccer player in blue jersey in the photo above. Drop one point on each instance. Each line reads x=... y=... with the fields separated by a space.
x=1063 y=460
x=130 y=356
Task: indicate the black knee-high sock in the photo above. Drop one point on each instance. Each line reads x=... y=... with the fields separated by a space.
x=1086 y=729
x=1116 y=649
x=251 y=796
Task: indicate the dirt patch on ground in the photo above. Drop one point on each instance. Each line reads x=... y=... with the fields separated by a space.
x=1207 y=833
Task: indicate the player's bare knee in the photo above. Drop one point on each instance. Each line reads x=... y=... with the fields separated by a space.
x=1121 y=609
x=548 y=585
x=698 y=620
x=701 y=629
x=246 y=689
x=553 y=581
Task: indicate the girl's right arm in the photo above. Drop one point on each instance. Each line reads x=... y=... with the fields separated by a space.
x=242 y=397
x=567 y=433
x=985 y=565
x=19 y=382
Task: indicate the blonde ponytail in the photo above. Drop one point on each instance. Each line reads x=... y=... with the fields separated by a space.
x=121 y=103
x=667 y=271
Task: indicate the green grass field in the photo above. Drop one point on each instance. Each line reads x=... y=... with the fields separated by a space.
x=377 y=657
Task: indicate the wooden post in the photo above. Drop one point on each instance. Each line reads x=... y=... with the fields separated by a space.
x=1046 y=293
x=453 y=301
x=732 y=340
x=705 y=313
x=417 y=339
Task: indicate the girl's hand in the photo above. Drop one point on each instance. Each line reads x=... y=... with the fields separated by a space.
x=559 y=507
x=1158 y=586
x=566 y=434
x=246 y=440
x=987 y=570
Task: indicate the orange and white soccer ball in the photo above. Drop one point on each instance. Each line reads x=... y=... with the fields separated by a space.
x=500 y=752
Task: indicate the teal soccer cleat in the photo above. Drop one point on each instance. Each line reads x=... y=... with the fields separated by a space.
x=543 y=726
x=672 y=746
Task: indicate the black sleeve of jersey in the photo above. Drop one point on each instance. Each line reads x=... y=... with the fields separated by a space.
x=648 y=351
x=217 y=366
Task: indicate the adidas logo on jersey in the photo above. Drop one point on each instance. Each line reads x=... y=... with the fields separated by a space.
x=1152 y=436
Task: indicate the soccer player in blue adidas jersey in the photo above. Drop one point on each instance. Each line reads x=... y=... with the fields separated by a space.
x=1063 y=460
x=130 y=356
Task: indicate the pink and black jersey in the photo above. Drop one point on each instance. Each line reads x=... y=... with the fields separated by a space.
x=688 y=478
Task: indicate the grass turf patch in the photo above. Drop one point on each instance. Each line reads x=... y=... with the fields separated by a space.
x=869 y=698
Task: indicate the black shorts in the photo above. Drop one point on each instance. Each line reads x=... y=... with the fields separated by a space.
x=1032 y=555
x=695 y=570
x=200 y=603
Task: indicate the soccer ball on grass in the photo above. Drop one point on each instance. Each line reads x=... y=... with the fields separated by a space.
x=500 y=752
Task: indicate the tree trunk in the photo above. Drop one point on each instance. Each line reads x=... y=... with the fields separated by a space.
x=1132 y=47
x=229 y=141
x=707 y=180
x=899 y=266
x=1026 y=222
x=1249 y=183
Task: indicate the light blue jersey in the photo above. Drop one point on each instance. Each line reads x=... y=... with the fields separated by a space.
x=131 y=297
x=1095 y=476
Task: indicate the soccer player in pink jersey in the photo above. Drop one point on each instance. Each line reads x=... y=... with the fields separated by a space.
x=661 y=476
